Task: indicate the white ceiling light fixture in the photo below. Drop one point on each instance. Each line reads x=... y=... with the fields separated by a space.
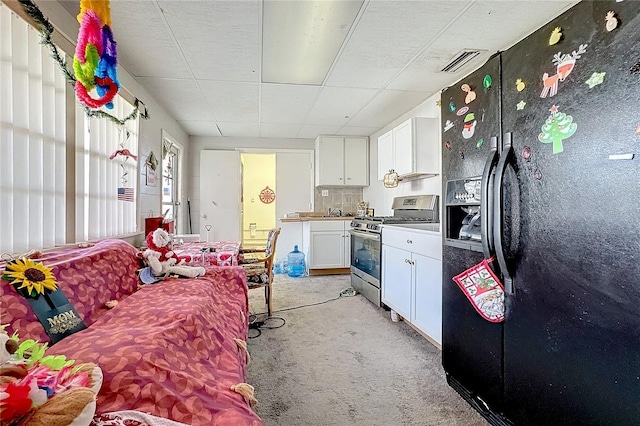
x=300 y=39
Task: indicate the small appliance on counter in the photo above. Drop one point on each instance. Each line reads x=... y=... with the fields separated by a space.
x=362 y=209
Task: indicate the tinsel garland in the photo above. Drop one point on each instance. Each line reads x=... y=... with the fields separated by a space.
x=46 y=30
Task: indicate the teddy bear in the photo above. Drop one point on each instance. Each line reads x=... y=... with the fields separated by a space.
x=162 y=259
x=38 y=390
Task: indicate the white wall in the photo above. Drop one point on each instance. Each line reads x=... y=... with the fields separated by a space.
x=150 y=132
x=379 y=197
x=198 y=143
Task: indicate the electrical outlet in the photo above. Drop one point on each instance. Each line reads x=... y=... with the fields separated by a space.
x=325 y=192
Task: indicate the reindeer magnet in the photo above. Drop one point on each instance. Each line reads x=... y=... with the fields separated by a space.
x=564 y=65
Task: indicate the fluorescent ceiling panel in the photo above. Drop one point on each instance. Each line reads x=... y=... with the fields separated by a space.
x=301 y=39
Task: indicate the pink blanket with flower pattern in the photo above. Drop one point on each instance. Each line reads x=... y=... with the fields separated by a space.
x=167 y=349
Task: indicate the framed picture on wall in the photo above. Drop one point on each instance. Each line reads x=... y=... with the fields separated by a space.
x=151 y=177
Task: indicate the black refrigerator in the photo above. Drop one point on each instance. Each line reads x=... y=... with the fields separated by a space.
x=541 y=174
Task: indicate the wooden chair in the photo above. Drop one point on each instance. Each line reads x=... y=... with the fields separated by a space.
x=260 y=270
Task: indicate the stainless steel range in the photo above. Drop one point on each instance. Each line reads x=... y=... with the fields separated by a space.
x=366 y=240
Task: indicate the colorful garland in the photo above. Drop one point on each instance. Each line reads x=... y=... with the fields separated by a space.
x=46 y=30
x=96 y=60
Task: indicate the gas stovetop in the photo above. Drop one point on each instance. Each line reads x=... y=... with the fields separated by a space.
x=372 y=223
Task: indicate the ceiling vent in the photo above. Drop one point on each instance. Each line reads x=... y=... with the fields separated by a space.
x=460 y=60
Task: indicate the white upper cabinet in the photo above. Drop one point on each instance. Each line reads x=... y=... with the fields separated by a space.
x=342 y=161
x=412 y=149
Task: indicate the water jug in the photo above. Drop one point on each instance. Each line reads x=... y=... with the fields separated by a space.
x=295 y=263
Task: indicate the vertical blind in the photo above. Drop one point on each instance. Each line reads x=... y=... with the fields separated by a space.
x=38 y=188
x=99 y=213
x=32 y=140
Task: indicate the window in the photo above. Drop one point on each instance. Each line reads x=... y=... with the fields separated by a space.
x=50 y=181
x=106 y=174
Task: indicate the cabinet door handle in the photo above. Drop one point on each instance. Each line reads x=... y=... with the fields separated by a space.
x=407 y=261
x=340 y=178
x=409 y=242
x=348 y=178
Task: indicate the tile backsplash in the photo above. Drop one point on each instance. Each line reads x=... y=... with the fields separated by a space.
x=345 y=199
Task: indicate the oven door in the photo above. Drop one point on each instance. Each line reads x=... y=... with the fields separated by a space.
x=366 y=254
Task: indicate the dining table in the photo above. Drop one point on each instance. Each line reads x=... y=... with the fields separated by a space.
x=209 y=253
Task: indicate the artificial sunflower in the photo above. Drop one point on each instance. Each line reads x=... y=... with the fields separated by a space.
x=32 y=276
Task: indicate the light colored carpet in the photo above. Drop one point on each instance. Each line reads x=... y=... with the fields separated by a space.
x=345 y=363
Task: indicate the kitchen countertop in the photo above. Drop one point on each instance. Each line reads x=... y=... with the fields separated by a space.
x=314 y=218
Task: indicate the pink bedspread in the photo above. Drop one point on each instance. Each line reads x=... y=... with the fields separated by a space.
x=166 y=349
x=169 y=350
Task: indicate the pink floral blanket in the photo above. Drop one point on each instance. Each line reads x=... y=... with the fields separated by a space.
x=167 y=349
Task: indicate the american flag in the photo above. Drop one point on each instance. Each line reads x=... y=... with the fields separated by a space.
x=125 y=194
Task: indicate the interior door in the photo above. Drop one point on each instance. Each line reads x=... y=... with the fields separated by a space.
x=294 y=193
x=220 y=180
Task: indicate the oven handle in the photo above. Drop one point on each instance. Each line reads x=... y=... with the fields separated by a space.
x=365 y=235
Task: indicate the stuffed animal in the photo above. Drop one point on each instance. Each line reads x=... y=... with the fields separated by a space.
x=163 y=260
x=34 y=392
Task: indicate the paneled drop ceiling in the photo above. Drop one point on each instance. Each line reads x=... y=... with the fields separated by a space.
x=203 y=60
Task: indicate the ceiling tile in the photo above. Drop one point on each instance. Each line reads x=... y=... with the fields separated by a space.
x=141 y=43
x=240 y=129
x=232 y=101
x=507 y=27
x=311 y=131
x=181 y=98
x=389 y=34
x=220 y=39
x=200 y=128
x=270 y=130
x=334 y=103
x=386 y=107
x=286 y=103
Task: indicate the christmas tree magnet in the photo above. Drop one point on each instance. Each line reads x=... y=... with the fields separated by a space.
x=471 y=95
x=556 y=36
x=595 y=79
x=612 y=21
x=520 y=85
x=558 y=126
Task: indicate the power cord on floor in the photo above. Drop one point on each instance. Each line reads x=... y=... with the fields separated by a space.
x=254 y=324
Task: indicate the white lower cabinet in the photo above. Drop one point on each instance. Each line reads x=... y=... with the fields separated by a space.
x=412 y=278
x=329 y=244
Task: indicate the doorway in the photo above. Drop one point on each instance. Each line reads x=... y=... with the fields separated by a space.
x=258 y=198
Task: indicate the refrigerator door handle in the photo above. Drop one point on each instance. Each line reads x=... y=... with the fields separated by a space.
x=507 y=150
x=486 y=200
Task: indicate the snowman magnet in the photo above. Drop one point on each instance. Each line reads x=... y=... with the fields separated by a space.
x=469 y=126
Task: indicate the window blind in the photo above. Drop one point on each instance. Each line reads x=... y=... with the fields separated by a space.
x=99 y=212
x=32 y=140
